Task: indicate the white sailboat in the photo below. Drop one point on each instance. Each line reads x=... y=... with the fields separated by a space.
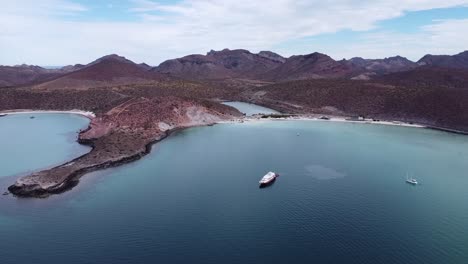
x=411 y=180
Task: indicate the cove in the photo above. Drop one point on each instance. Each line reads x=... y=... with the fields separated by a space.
x=29 y=144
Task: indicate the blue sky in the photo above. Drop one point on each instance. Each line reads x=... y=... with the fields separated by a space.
x=61 y=32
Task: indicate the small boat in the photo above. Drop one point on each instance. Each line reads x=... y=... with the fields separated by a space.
x=411 y=180
x=2 y=115
x=32 y=117
x=268 y=179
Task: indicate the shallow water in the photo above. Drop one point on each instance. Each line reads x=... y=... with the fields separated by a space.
x=45 y=140
x=251 y=109
x=341 y=198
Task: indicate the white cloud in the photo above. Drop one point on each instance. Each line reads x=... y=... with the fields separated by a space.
x=39 y=8
x=440 y=37
x=49 y=32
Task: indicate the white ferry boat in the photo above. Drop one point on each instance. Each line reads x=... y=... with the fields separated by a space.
x=268 y=179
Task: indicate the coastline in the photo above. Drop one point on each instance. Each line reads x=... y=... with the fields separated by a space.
x=254 y=118
x=87 y=114
x=42 y=190
x=332 y=119
x=346 y=120
x=370 y=122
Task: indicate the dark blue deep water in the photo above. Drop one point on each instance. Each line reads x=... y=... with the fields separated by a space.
x=341 y=198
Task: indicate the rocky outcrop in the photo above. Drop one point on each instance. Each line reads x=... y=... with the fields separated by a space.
x=272 y=56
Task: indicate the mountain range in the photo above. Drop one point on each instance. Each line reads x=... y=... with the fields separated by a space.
x=219 y=65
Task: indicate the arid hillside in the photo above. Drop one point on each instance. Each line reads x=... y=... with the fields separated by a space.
x=428 y=76
x=457 y=61
x=221 y=65
x=434 y=106
x=27 y=74
x=383 y=66
x=311 y=66
x=107 y=71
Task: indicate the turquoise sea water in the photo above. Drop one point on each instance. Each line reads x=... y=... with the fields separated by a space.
x=341 y=198
x=251 y=109
x=47 y=139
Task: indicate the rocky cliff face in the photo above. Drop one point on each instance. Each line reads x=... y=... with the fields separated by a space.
x=272 y=56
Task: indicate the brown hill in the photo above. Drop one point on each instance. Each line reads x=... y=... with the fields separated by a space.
x=311 y=66
x=459 y=61
x=434 y=106
x=221 y=65
x=428 y=77
x=109 y=70
x=383 y=66
x=27 y=74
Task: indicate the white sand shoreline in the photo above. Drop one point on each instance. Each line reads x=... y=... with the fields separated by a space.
x=87 y=114
x=332 y=119
x=91 y=115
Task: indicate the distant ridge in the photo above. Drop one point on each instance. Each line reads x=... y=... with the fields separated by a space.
x=224 y=64
x=312 y=66
x=27 y=74
x=105 y=71
x=221 y=64
x=383 y=66
x=429 y=77
x=458 y=61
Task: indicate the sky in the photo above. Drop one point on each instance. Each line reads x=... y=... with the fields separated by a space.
x=63 y=32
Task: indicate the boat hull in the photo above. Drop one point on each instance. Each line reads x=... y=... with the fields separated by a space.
x=266 y=184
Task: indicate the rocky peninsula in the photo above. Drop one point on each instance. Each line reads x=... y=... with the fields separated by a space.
x=124 y=133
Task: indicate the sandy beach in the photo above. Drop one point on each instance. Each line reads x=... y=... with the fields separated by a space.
x=87 y=114
x=331 y=119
